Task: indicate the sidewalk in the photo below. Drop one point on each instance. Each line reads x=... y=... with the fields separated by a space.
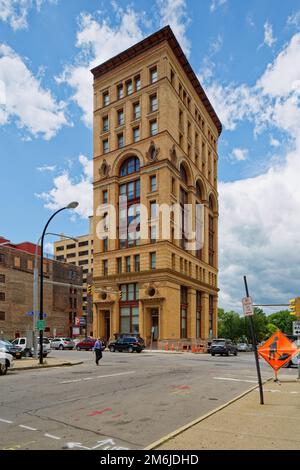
x=30 y=363
x=244 y=423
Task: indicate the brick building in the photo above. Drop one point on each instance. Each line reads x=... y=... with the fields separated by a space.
x=155 y=142
x=62 y=292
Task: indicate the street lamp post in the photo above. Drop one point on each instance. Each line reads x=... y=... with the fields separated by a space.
x=72 y=205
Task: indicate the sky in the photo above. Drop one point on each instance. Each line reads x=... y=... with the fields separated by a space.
x=247 y=57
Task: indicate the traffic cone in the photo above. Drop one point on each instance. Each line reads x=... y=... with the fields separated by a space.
x=182 y=347
x=172 y=347
x=167 y=347
x=199 y=348
x=193 y=348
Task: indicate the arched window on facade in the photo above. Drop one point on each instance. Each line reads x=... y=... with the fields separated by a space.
x=183 y=174
x=211 y=233
x=199 y=199
x=129 y=212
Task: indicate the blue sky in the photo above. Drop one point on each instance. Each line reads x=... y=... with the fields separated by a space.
x=247 y=56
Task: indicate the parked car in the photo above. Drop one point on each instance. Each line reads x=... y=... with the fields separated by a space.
x=245 y=347
x=6 y=361
x=129 y=335
x=27 y=348
x=88 y=344
x=15 y=351
x=223 y=347
x=208 y=346
x=62 y=343
x=127 y=343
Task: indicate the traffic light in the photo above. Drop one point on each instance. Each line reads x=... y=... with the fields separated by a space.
x=90 y=289
x=294 y=305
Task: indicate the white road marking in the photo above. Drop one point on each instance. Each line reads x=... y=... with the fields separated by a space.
x=236 y=380
x=6 y=421
x=98 y=377
x=52 y=437
x=27 y=427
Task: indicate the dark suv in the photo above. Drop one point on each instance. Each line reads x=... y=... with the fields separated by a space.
x=223 y=347
x=127 y=343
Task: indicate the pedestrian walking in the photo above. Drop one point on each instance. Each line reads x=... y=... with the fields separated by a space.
x=98 y=350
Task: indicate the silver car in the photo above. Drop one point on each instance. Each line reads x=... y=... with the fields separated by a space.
x=62 y=343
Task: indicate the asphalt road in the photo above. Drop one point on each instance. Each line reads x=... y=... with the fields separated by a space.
x=129 y=401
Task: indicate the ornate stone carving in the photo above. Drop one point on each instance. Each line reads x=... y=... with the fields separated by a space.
x=173 y=155
x=152 y=152
x=104 y=169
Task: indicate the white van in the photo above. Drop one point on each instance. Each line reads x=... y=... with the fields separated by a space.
x=27 y=348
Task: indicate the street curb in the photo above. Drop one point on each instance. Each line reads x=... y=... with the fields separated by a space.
x=47 y=366
x=180 y=430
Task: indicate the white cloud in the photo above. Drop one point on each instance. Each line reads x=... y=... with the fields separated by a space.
x=216 y=4
x=294 y=19
x=15 y=12
x=274 y=142
x=269 y=39
x=216 y=45
x=66 y=189
x=239 y=155
x=174 y=13
x=32 y=107
x=98 y=41
x=259 y=227
x=45 y=168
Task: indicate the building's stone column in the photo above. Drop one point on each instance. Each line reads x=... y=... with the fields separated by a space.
x=215 y=317
x=205 y=316
x=95 y=321
x=115 y=318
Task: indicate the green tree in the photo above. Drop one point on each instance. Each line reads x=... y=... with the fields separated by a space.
x=283 y=320
x=230 y=325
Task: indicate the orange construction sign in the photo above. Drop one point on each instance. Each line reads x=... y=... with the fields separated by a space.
x=278 y=350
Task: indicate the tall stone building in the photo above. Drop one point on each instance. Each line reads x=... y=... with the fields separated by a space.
x=79 y=253
x=155 y=142
x=62 y=292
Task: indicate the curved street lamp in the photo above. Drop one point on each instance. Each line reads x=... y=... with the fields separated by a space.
x=72 y=205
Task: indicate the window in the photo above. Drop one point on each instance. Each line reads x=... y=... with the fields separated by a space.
x=153 y=183
x=153 y=75
x=85 y=243
x=198 y=314
x=136 y=111
x=60 y=248
x=2 y=316
x=121 y=117
x=136 y=134
x=153 y=209
x=137 y=263
x=153 y=127
x=104 y=200
x=120 y=91
x=137 y=82
x=105 y=97
x=105 y=146
x=153 y=103
x=83 y=253
x=2 y=258
x=129 y=308
x=129 y=87
x=71 y=246
x=59 y=258
x=173 y=185
x=183 y=174
x=121 y=142
x=183 y=311
x=105 y=267
x=17 y=262
x=127 y=264
x=152 y=260
x=105 y=124
x=2 y=296
x=105 y=244
x=153 y=234
x=2 y=278
x=131 y=165
x=119 y=265
x=173 y=261
x=83 y=262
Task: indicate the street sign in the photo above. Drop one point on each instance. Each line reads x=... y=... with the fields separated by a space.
x=278 y=350
x=40 y=325
x=296 y=328
x=247 y=306
x=82 y=321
